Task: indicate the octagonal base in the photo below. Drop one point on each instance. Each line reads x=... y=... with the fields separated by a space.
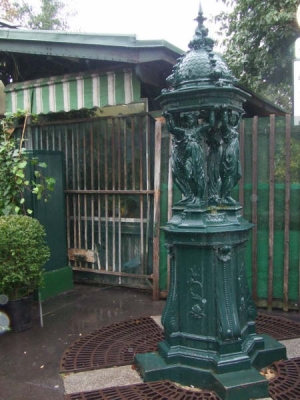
x=242 y=384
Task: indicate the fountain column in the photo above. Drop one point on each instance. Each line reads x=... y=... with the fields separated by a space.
x=209 y=318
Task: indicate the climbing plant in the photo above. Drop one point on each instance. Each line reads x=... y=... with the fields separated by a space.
x=14 y=165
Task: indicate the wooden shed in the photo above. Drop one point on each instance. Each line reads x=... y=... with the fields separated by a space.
x=96 y=95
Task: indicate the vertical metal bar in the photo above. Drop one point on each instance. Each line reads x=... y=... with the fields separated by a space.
x=119 y=143
x=53 y=138
x=68 y=197
x=271 y=209
x=34 y=132
x=133 y=152
x=141 y=152
x=113 y=155
x=119 y=237
x=287 y=212
x=114 y=173
x=59 y=135
x=92 y=185
x=254 y=205
x=106 y=196
x=78 y=147
x=140 y=136
x=99 y=135
x=148 y=186
x=47 y=139
x=84 y=158
x=125 y=153
x=156 y=209
x=119 y=153
x=242 y=161
x=125 y=173
x=40 y=143
x=75 y=216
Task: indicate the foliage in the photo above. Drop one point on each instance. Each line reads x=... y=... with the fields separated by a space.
x=14 y=163
x=51 y=14
x=294 y=166
x=67 y=116
x=23 y=253
x=259 y=45
x=7 y=10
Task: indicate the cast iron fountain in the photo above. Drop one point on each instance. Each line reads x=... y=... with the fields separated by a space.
x=209 y=319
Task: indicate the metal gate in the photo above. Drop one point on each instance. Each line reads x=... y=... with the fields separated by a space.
x=112 y=171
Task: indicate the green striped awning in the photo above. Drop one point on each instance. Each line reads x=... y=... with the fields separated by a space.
x=73 y=92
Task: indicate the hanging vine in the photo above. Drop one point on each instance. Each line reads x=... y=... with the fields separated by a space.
x=14 y=167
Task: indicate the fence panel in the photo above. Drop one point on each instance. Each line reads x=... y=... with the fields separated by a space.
x=270 y=194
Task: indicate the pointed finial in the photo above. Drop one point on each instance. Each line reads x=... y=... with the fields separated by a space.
x=200 y=18
x=200 y=8
x=200 y=38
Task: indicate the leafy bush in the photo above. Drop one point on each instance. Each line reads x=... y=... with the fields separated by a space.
x=23 y=253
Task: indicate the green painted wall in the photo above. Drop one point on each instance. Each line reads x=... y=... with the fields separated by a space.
x=56 y=281
x=58 y=276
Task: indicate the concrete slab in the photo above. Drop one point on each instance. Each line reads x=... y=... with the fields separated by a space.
x=292 y=347
x=157 y=319
x=101 y=379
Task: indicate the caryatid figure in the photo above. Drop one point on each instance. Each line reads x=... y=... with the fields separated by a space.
x=230 y=168
x=187 y=158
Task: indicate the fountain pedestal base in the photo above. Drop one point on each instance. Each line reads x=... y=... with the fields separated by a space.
x=209 y=318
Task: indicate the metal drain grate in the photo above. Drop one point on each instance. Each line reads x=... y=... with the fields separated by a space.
x=286 y=384
x=117 y=344
x=163 y=390
x=278 y=327
x=111 y=346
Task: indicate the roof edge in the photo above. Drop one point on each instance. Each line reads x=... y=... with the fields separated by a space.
x=68 y=37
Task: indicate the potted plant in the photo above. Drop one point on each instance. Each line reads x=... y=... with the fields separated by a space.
x=23 y=253
x=23 y=250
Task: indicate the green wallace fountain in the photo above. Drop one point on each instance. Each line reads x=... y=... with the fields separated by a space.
x=209 y=319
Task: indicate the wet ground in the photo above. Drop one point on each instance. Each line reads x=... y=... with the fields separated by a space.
x=29 y=361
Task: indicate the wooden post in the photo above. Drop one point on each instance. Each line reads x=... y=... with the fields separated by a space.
x=254 y=206
x=271 y=209
x=287 y=213
x=156 y=219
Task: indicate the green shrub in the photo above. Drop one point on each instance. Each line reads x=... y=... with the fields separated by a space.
x=23 y=253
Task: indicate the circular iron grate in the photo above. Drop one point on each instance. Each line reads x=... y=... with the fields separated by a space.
x=111 y=346
x=279 y=328
x=117 y=344
x=162 y=390
x=286 y=384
